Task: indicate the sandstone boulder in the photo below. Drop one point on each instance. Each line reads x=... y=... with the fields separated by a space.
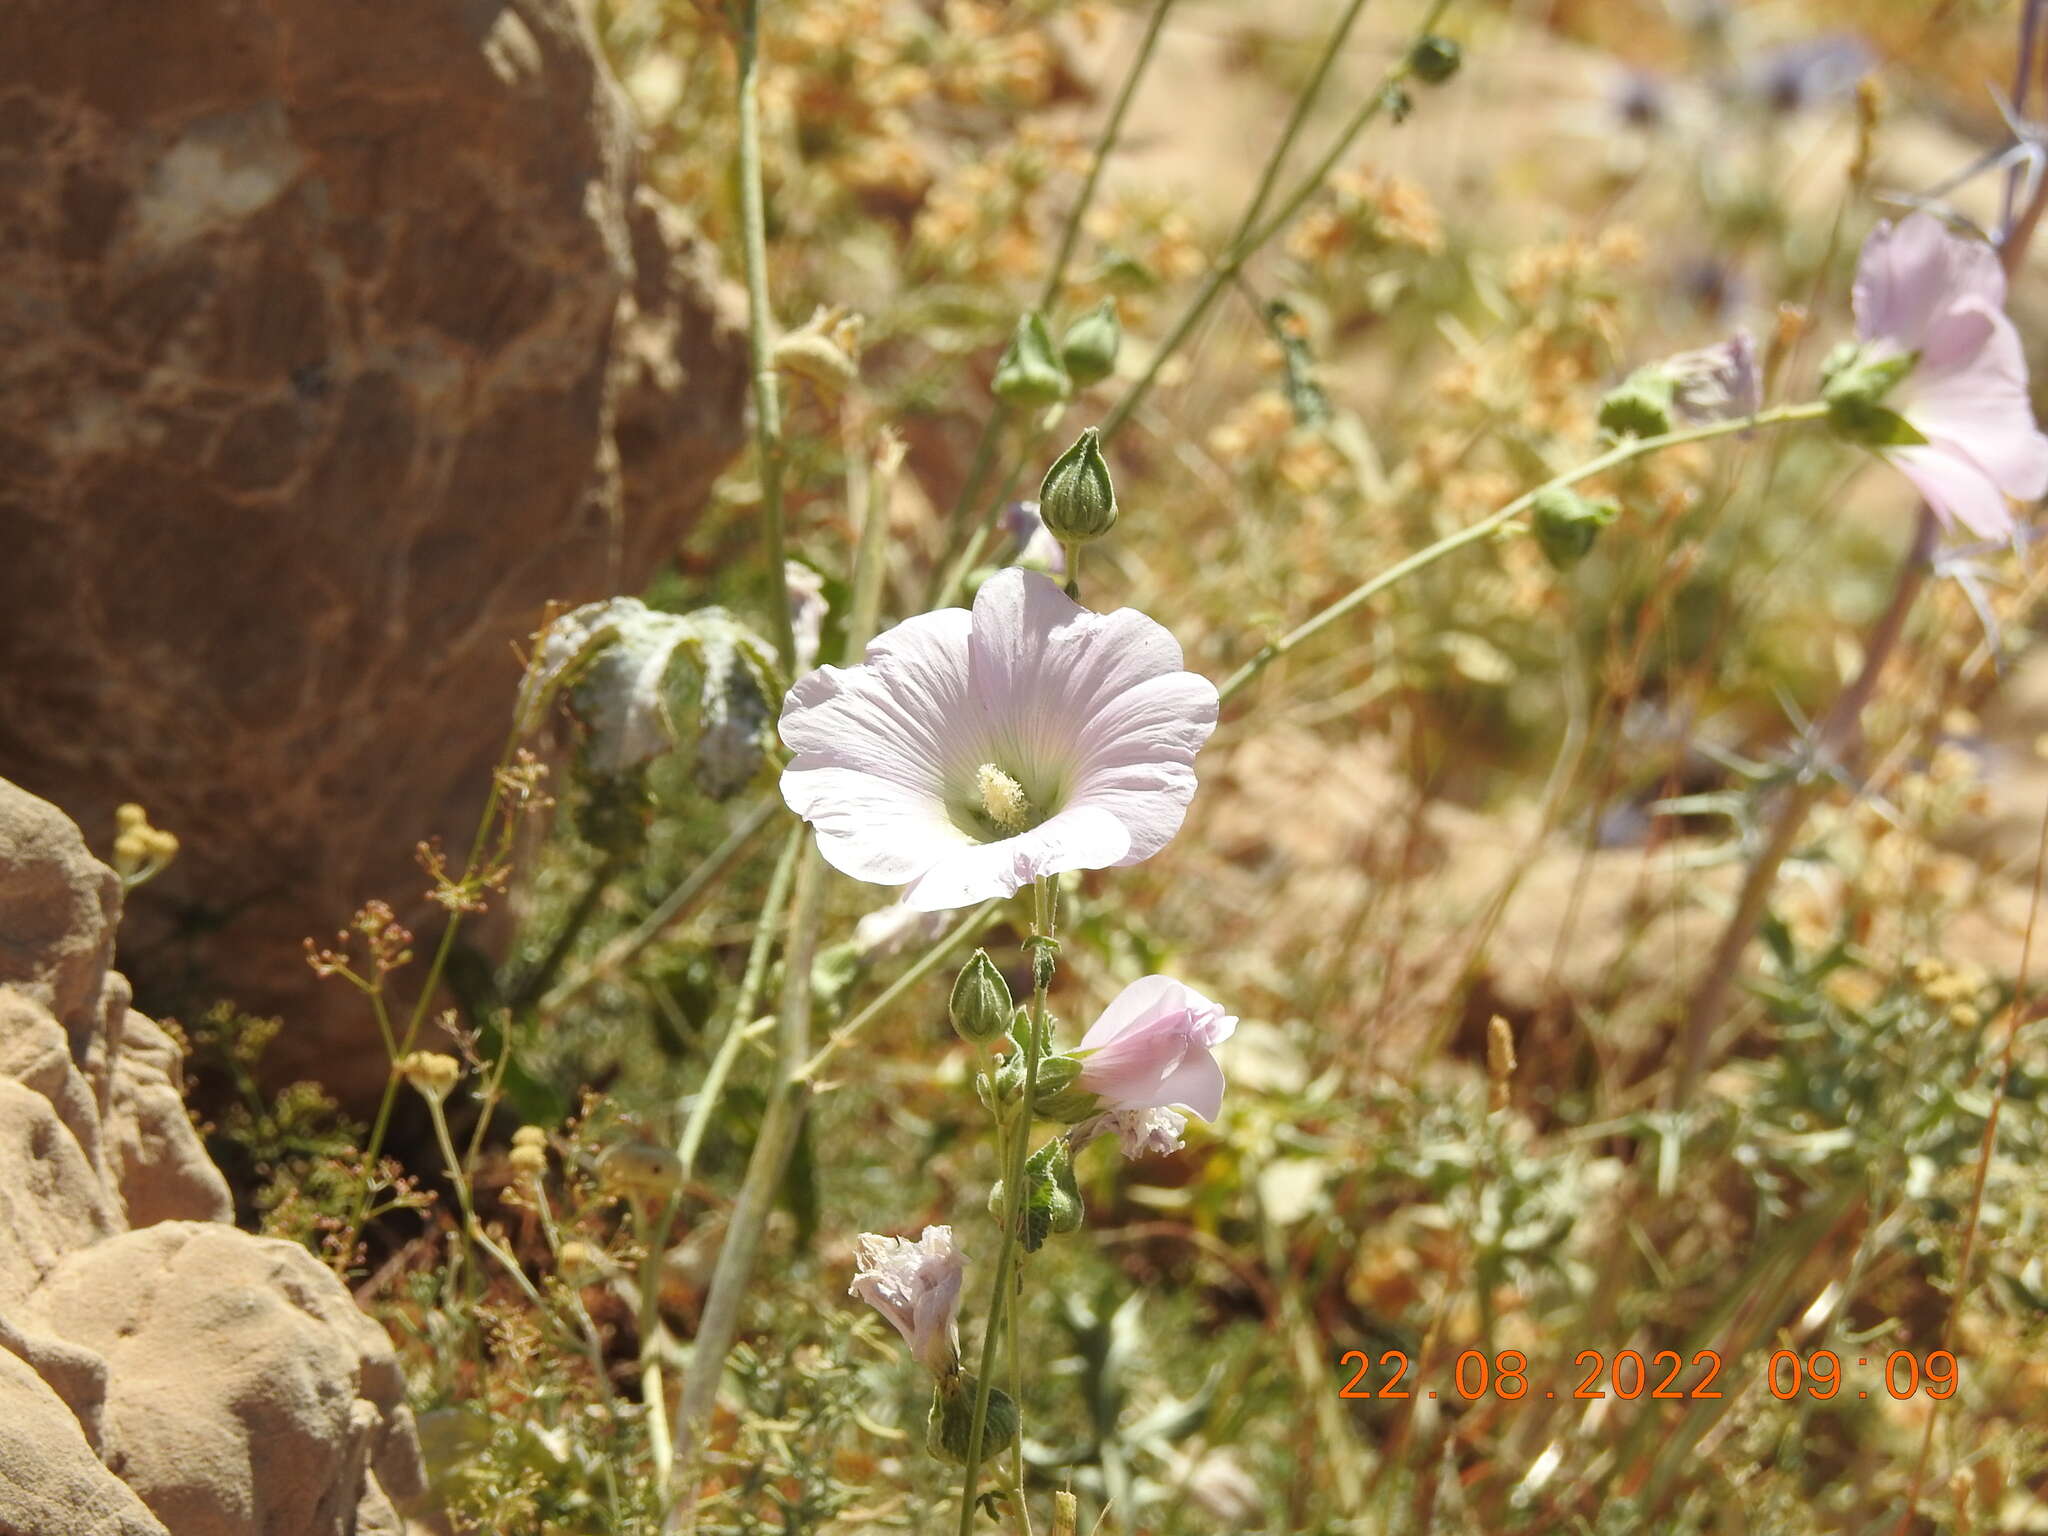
x=246 y=1395
x=335 y=340
x=157 y=1374
x=51 y=1483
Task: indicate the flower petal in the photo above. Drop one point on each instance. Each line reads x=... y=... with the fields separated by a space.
x=1079 y=837
x=871 y=827
x=1910 y=272
x=1959 y=489
x=1142 y=1002
x=1196 y=1084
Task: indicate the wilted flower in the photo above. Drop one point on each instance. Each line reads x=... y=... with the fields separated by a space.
x=972 y=753
x=916 y=1286
x=1141 y=1132
x=1940 y=299
x=1150 y=1049
x=1718 y=383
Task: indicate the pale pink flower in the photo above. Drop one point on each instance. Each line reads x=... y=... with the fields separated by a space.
x=1921 y=289
x=916 y=1286
x=972 y=753
x=1150 y=1049
x=1141 y=1132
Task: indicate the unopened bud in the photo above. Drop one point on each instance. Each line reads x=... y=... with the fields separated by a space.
x=1566 y=525
x=980 y=1004
x=578 y=1263
x=528 y=1159
x=130 y=815
x=951 y=1424
x=1066 y=1513
x=1030 y=372
x=1435 y=59
x=1077 y=502
x=430 y=1073
x=1090 y=346
x=1640 y=406
x=529 y=1136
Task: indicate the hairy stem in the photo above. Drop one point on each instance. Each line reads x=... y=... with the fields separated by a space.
x=1252 y=236
x=772 y=1147
x=768 y=447
x=1494 y=522
x=1013 y=1221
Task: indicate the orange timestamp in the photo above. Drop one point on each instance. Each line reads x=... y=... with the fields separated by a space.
x=1663 y=1375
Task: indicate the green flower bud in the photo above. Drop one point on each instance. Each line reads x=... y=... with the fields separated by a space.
x=1640 y=406
x=1090 y=345
x=1854 y=385
x=1076 y=499
x=951 y=1423
x=980 y=1004
x=1052 y=1200
x=1030 y=371
x=1435 y=59
x=1058 y=1098
x=1566 y=525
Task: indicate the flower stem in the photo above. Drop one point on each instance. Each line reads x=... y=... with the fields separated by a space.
x=768 y=447
x=1013 y=1220
x=1494 y=522
x=1105 y=146
x=719 y=1324
x=1251 y=235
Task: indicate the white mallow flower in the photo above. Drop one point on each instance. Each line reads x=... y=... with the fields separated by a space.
x=974 y=752
x=916 y=1286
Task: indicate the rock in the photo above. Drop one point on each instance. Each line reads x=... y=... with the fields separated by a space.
x=156 y=1160
x=52 y=1201
x=228 y=1380
x=246 y=1395
x=327 y=358
x=51 y=1483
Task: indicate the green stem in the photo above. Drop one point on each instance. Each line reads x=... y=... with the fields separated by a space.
x=1488 y=526
x=760 y=325
x=1250 y=238
x=674 y=907
x=1013 y=1221
x=948 y=946
x=719 y=1324
x=1105 y=145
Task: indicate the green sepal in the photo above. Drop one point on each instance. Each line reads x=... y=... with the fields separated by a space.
x=1030 y=372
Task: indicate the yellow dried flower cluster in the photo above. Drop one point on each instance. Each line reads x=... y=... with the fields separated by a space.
x=1370 y=213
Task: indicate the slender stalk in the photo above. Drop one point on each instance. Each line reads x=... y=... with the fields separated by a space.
x=760 y=328
x=1251 y=238
x=674 y=907
x=1105 y=145
x=719 y=1324
x=742 y=1015
x=655 y=1232
x=1833 y=741
x=1494 y=522
x=1055 y=278
x=1013 y=1220
x=956 y=936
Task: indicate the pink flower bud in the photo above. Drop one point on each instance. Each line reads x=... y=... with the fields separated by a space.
x=1150 y=1049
